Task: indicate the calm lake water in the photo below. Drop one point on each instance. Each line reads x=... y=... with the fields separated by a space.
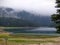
x=35 y=31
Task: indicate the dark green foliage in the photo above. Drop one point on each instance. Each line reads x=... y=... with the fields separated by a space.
x=57 y=1
x=58 y=5
x=56 y=17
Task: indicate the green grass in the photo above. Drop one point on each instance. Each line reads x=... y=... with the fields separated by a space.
x=23 y=35
x=21 y=38
x=27 y=39
x=32 y=41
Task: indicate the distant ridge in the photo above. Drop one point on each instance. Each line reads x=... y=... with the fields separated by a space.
x=10 y=17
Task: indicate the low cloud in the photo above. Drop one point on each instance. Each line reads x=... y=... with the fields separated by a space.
x=45 y=7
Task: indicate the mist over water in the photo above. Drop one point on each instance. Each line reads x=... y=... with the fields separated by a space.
x=44 y=29
x=36 y=30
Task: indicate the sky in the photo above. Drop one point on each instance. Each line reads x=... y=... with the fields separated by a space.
x=44 y=7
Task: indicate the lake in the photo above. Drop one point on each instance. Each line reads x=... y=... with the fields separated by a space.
x=35 y=31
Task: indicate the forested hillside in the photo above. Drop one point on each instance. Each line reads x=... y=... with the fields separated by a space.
x=11 y=17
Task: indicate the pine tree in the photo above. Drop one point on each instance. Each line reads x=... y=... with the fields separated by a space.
x=56 y=17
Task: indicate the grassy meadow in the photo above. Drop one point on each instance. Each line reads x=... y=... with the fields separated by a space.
x=28 y=39
x=10 y=38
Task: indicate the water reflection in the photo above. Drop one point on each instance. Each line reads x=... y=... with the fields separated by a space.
x=36 y=30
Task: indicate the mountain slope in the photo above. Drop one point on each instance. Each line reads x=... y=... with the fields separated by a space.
x=10 y=17
x=13 y=22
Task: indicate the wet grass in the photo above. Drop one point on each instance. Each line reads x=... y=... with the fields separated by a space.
x=32 y=41
x=32 y=36
x=26 y=39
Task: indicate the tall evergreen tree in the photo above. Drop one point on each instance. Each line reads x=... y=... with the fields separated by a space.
x=56 y=17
